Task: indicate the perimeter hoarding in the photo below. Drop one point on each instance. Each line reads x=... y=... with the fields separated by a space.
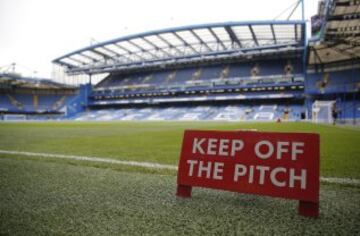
x=282 y=165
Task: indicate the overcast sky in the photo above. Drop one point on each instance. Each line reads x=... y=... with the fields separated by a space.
x=34 y=32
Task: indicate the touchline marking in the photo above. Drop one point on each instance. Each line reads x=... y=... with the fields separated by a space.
x=345 y=181
x=93 y=159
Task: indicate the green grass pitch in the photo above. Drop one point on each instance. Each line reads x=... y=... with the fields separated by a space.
x=47 y=196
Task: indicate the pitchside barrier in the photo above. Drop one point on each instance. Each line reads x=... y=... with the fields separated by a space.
x=282 y=165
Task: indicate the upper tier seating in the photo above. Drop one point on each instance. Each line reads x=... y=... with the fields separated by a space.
x=334 y=82
x=197 y=75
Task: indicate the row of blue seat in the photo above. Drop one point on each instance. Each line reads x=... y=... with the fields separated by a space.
x=263 y=68
x=214 y=113
x=11 y=102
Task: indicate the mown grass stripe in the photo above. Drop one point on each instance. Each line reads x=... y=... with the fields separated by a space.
x=345 y=181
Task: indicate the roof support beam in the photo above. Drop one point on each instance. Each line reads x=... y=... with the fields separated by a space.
x=273 y=33
x=156 y=47
x=111 y=51
x=142 y=49
x=105 y=56
x=116 y=53
x=129 y=52
x=296 y=34
x=123 y=48
x=253 y=35
x=185 y=43
x=169 y=44
x=233 y=36
x=65 y=64
x=76 y=60
x=217 y=38
x=200 y=40
x=89 y=57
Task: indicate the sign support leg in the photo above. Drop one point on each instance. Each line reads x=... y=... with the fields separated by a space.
x=183 y=191
x=309 y=209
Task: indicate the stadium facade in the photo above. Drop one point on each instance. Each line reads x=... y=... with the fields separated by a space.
x=264 y=70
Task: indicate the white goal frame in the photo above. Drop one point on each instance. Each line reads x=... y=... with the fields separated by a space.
x=14 y=117
x=322 y=111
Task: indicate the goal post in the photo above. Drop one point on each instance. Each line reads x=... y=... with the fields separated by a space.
x=322 y=111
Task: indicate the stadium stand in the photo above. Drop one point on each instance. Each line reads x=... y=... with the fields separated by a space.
x=333 y=59
x=227 y=71
x=33 y=99
x=230 y=83
x=234 y=71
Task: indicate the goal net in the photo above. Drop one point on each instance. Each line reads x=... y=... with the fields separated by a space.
x=322 y=111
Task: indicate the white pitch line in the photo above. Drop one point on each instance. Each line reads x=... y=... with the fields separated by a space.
x=93 y=159
x=345 y=181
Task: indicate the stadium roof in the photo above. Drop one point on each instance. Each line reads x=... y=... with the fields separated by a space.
x=340 y=36
x=174 y=45
x=13 y=79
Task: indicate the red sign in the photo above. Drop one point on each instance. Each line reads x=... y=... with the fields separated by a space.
x=275 y=164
